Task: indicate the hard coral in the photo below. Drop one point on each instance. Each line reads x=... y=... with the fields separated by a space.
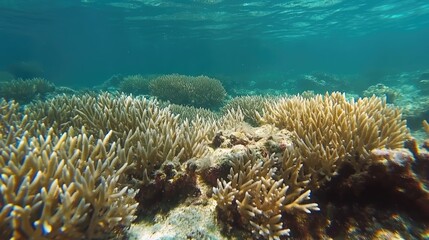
x=25 y=90
x=150 y=135
x=255 y=197
x=257 y=184
x=330 y=130
x=135 y=84
x=198 y=91
x=61 y=186
x=249 y=105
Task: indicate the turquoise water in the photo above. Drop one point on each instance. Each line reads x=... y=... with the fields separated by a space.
x=134 y=168
x=83 y=43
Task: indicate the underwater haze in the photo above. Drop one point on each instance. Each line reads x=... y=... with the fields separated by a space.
x=214 y=119
x=83 y=43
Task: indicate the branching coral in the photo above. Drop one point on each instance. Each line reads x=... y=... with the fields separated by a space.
x=198 y=91
x=192 y=113
x=259 y=196
x=62 y=186
x=58 y=112
x=329 y=130
x=62 y=176
x=8 y=115
x=152 y=137
x=249 y=105
x=153 y=131
x=135 y=84
x=25 y=90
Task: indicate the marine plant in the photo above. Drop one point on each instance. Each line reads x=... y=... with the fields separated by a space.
x=198 y=91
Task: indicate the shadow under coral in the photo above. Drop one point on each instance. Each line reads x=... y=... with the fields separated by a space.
x=389 y=197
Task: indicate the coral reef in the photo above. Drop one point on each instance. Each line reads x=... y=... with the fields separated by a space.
x=156 y=141
x=382 y=91
x=390 y=195
x=111 y=84
x=187 y=90
x=257 y=197
x=192 y=113
x=60 y=186
x=330 y=130
x=409 y=92
x=25 y=90
x=249 y=105
x=189 y=220
x=75 y=166
x=321 y=81
x=135 y=84
x=255 y=183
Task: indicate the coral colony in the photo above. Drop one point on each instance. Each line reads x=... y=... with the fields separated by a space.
x=90 y=165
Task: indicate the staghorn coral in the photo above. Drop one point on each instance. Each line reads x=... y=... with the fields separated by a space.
x=330 y=130
x=58 y=112
x=198 y=91
x=61 y=186
x=153 y=131
x=258 y=196
x=14 y=122
x=192 y=113
x=135 y=84
x=8 y=115
x=153 y=138
x=25 y=90
x=249 y=105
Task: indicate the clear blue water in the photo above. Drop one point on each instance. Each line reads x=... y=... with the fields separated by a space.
x=83 y=43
